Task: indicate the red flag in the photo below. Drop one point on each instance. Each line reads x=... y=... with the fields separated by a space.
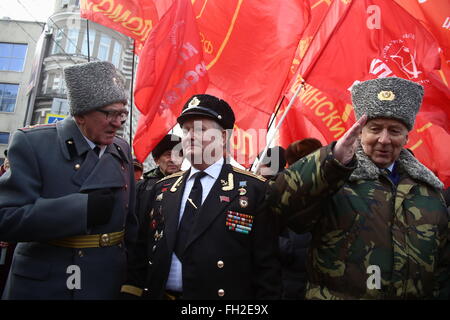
x=133 y=18
x=433 y=15
x=171 y=69
x=248 y=48
x=372 y=39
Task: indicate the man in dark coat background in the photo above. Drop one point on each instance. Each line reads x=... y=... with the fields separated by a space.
x=167 y=161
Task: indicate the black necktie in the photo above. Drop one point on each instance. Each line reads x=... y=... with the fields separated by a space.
x=97 y=150
x=192 y=206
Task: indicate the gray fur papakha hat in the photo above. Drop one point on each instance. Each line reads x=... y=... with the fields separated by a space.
x=93 y=85
x=393 y=98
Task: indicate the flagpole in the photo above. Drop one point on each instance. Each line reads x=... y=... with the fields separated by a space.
x=131 y=95
x=88 y=42
x=275 y=114
x=271 y=121
x=291 y=102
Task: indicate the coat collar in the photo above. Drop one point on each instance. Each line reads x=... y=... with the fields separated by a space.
x=366 y=169
x=71 y=140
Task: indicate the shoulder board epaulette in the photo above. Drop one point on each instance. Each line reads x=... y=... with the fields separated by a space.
x=120 y=138
x=248 y=173
x=38 y=126
x=173 y=175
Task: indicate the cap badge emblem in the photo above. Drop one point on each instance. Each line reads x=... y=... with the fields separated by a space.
x=194 y=102
x=386 y=95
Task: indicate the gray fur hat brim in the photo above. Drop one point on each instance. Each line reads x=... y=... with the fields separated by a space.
x=392 y=98
x=366 y=169
x=93 y=85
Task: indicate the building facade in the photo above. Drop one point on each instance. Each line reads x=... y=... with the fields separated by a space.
x=72 y=40
x=66 y=39
x=18 y=41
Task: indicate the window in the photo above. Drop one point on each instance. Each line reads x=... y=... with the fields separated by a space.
x=64 y=3
x=84 y=49
x=103 y=47
x=4 y=137
x=72 y=39
x=117 y=52
x=12 y=56
x=57 y=48
x=56 y=83
x=8 y=96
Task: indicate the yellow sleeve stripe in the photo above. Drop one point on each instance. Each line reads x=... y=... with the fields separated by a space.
x=132 y=290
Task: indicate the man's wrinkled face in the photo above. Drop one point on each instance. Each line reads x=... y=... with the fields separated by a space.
x=169 y=163
x=203 y=141
x=100 y=126
x=383 y=139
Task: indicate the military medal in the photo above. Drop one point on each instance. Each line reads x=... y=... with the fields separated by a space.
x=239 y=222
x=243 y=202
x=158 y=235
x=242 y=191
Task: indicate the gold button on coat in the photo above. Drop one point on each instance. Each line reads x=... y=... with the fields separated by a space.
x=220 y=264
x=221 y=292
x=77 y=166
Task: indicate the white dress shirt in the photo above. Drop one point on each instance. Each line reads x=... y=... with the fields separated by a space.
x=93 y=145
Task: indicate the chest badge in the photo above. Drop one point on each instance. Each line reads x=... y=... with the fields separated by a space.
x=243 y=202
x=176 y=184
x=228 y=185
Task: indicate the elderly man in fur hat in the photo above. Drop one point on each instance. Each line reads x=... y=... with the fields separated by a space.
x=378 y=220
x=68 y=198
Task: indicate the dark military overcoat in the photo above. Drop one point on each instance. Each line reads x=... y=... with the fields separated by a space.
x=43 y=198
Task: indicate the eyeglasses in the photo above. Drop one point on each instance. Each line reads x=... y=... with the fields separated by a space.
x=112 y=115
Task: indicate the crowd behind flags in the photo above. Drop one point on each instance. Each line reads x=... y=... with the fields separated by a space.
x=252 y=53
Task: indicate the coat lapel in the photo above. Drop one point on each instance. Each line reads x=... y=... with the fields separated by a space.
x=106 y=173
x=213 y=206
x=171 y=203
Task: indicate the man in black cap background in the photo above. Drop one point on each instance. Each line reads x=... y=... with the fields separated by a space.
x=273 y=163
x=68 y=198
x=167 y=163
x=206 y=235
x=138 y=170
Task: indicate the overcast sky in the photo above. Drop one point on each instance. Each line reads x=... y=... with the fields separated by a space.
x=38 y=10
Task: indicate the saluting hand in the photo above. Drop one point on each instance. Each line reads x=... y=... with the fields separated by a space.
x=345 y=148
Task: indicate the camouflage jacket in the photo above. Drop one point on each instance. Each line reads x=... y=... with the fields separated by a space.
x=360 y=220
